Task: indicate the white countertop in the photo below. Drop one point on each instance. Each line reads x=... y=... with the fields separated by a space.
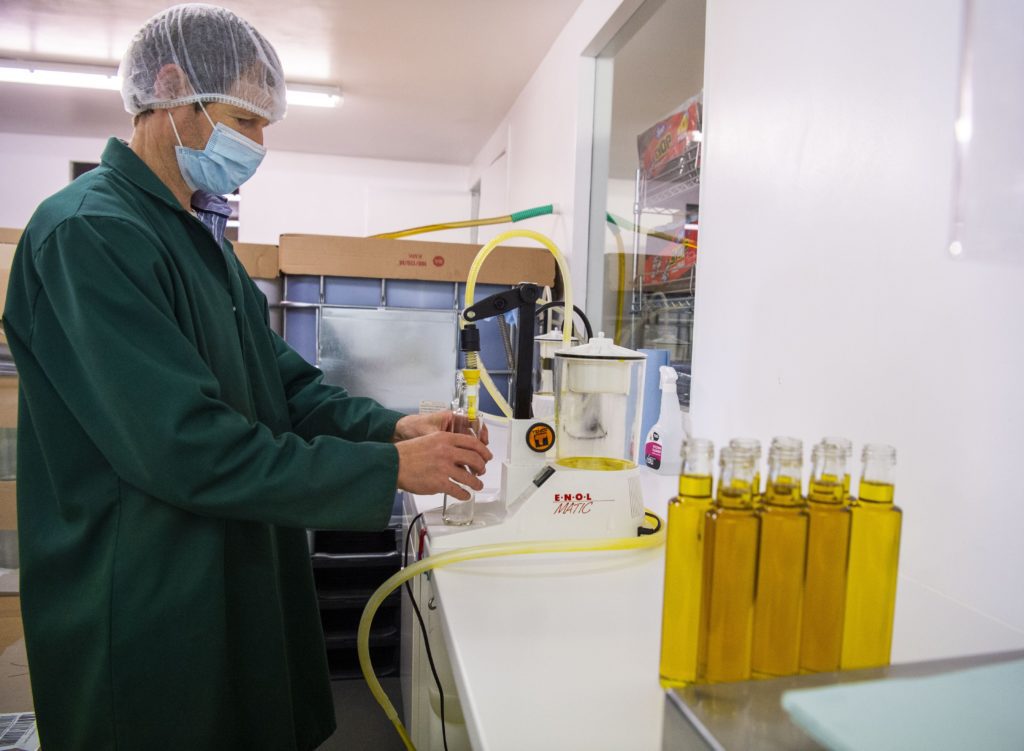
x=560 y=651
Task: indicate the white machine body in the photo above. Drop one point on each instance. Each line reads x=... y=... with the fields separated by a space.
x=591 y=487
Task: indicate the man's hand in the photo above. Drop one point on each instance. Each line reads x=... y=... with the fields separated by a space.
x=414 y=426
x=428 y=463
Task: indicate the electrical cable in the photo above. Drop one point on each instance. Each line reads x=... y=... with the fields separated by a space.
x=423 y=631
x=476 y=552
x=515 y=216
x=657 y=525
x=575 y=309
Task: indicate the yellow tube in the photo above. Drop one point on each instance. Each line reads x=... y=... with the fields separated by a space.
x=515 y=216
x=474 y=271
x=445 y=225
x=470 y=554
x=621 y=294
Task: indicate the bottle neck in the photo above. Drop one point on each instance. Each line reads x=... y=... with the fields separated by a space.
x=669 y=406
x=878 y=493
x=695 y=487
x=735 y=496
x=826 y=490
x=876 y=480
x=784 y=477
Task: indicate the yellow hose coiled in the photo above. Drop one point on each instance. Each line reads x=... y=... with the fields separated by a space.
x=476 y=552
x=474 y=271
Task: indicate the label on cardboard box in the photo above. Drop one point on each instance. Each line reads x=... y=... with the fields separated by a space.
x=388 y=258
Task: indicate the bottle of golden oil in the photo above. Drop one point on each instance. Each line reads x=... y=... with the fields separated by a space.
x=778 y=606
x=828 y=540
x=753 y=446
x=873 y=560
x=684 y=559
x=730 y=573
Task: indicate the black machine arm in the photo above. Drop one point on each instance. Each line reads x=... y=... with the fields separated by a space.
x=522 y=297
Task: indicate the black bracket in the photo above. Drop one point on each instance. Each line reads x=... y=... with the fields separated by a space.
x=522 y=297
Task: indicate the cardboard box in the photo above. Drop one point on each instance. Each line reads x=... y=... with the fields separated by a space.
x=8 y=242
x=669 y=140
x=385 y=258
x=8 y=401
x=8 y=505
x=15 y=688
x=260 y=261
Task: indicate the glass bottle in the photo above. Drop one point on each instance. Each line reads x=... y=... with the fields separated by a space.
x=873 y=560
x=465 y=419
x=754 y=446
x=778 y=606
x=684 y=557
x=828 y=540
x=730 y=573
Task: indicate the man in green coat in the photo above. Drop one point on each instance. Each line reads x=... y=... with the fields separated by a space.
x=172 y=448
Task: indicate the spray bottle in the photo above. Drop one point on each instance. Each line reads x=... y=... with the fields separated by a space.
x=663 y=444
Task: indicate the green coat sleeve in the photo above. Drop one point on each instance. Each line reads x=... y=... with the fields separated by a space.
x=108 y=332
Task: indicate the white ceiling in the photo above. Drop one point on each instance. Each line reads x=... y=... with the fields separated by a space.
x=423 y=81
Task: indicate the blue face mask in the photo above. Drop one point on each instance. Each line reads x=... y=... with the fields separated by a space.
x=227 y=161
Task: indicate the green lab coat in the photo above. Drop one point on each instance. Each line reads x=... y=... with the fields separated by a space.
x=172 y=449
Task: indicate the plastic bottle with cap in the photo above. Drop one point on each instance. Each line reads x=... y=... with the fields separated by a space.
x=663 y=444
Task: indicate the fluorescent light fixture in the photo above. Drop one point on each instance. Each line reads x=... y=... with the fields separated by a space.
x=55 y=74
x=304 y=95
x=98 y=77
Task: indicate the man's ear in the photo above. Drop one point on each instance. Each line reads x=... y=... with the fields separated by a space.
x=171 y=83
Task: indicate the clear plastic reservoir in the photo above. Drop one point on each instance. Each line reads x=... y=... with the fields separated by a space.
x=598 y=405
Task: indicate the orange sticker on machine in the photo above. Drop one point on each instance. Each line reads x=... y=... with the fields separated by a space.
x=540 y=437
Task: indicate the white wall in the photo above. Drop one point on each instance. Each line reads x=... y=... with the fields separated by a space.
x=337 y=195
x=543 y=132
x=291 y=192
x=828 y=303
x=35 y=167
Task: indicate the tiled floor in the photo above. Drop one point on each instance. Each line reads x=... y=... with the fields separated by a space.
x=361 y=722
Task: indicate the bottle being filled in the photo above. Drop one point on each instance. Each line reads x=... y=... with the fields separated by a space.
x=684 y=558
x=873 y=561
x=778 y=606
x=730 y=571
x=465 y=419
x=828 y=540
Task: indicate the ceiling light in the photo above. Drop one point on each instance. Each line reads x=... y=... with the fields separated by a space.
x=55 y=74
x=98 y=77
x=314 y=96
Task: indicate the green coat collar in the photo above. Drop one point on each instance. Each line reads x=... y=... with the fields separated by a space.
x=119 y=156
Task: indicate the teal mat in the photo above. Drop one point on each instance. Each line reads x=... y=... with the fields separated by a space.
x=980 y=708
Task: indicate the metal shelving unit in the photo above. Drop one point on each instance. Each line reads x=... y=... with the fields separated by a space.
x=662 y=310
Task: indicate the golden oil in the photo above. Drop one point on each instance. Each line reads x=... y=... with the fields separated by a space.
x=875 y=527
x=602 y=463
x=684 y=558
x=828 y=540
x=730 y=573
x=778 y=605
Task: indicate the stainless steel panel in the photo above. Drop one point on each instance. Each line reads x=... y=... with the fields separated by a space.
x=398 y=357
x=749 y=714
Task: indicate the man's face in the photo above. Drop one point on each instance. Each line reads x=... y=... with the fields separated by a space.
x=195 y=129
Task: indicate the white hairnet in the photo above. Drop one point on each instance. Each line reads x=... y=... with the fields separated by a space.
x=219 y=57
